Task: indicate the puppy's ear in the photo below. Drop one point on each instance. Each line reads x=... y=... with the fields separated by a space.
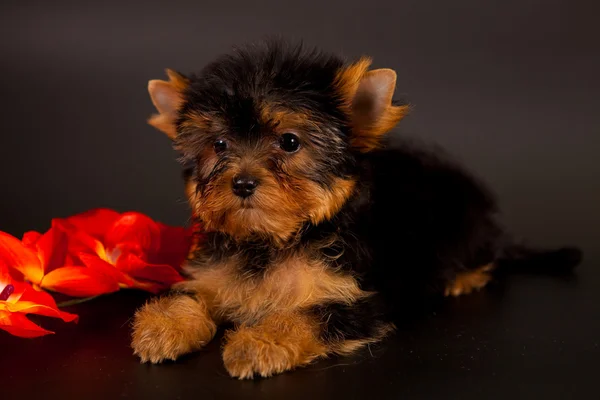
x=368 y=95
x=167 y=97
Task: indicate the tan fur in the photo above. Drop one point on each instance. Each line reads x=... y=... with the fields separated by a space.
x=282 y=120
x=348 y=79
x=195 y=121
x=169 y=327
x=278 y=208
x=328 y=203
x=467 y=282
x=163 y=124
x=165 y=120
x=274 y=332
x=197 y=238
x=296 y=283
x=179 y=81
x=350 y=346
x=275 y=212
x=368 y=137
x=367 y=130
x=279 y=343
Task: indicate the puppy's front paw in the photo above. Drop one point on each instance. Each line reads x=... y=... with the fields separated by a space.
x=279 y=343
x=170 y=327
x=247 y=354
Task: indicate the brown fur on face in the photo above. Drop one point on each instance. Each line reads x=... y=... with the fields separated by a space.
x=283 y=202
x=278 y=213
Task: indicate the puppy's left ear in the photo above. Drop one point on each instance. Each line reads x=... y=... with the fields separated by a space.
x=167 y=97
x=369 y=99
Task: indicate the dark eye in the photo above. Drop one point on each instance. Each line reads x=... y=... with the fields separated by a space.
x=220 y=145
x=289 y=142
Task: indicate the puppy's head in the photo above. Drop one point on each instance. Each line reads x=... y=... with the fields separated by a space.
x=270 y=135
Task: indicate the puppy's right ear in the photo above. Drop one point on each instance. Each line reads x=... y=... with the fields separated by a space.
x=167 y=97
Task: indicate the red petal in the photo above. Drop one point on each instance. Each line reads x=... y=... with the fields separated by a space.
x=8 y=276
x=52 y=248
x=163 y=275
x=19 y=325
x=5 y=277
x=105 y=268
x=133 y=230
x=79 y=241
x=175 y=243
x=39 y=302
x=30 y=238
x=79 y=282
x=95 y=222
x=72 y=259
x=15 y=254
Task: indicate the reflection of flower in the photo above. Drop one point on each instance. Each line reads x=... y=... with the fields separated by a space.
x=98 y=252
x=18 y=299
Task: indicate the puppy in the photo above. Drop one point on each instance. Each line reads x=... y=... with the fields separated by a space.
x=315 y=233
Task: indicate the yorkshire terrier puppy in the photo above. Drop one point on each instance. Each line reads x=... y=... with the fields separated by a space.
x=316 y=233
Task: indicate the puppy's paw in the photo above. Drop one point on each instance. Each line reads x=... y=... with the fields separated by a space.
x=247 y=355
x=169 y=327
x=278 y=344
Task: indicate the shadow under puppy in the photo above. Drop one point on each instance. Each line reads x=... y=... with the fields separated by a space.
x=316 y=233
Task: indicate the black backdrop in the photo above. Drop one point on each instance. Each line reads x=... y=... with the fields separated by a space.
x=510 y=87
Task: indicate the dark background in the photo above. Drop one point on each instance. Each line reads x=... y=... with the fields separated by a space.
x=509 y=87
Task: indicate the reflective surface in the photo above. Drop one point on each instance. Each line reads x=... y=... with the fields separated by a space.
x=523 y=337
x=509 y=88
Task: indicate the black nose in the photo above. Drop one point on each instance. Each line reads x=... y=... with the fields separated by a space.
x=244 y=185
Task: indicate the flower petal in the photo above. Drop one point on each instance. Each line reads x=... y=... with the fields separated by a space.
x=79 y=282
x=15 y=254
x=52 y=248
x=33 y=301
x=28 y=307
x=134 y=231
x=105 y=268
x=5 y=277
x=162 y=276
x=79 y=241
x=175 y=244
x=19 y=325
x=30 y=238
x=94 y=222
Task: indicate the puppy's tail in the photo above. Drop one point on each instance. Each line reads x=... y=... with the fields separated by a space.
x=522 y=258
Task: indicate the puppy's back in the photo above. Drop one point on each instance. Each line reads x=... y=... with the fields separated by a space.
x=431 y=220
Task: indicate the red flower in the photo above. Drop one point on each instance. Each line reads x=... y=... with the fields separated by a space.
x=43 y=261
x=148 y=254
x=18 y=299
x=98 y=252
